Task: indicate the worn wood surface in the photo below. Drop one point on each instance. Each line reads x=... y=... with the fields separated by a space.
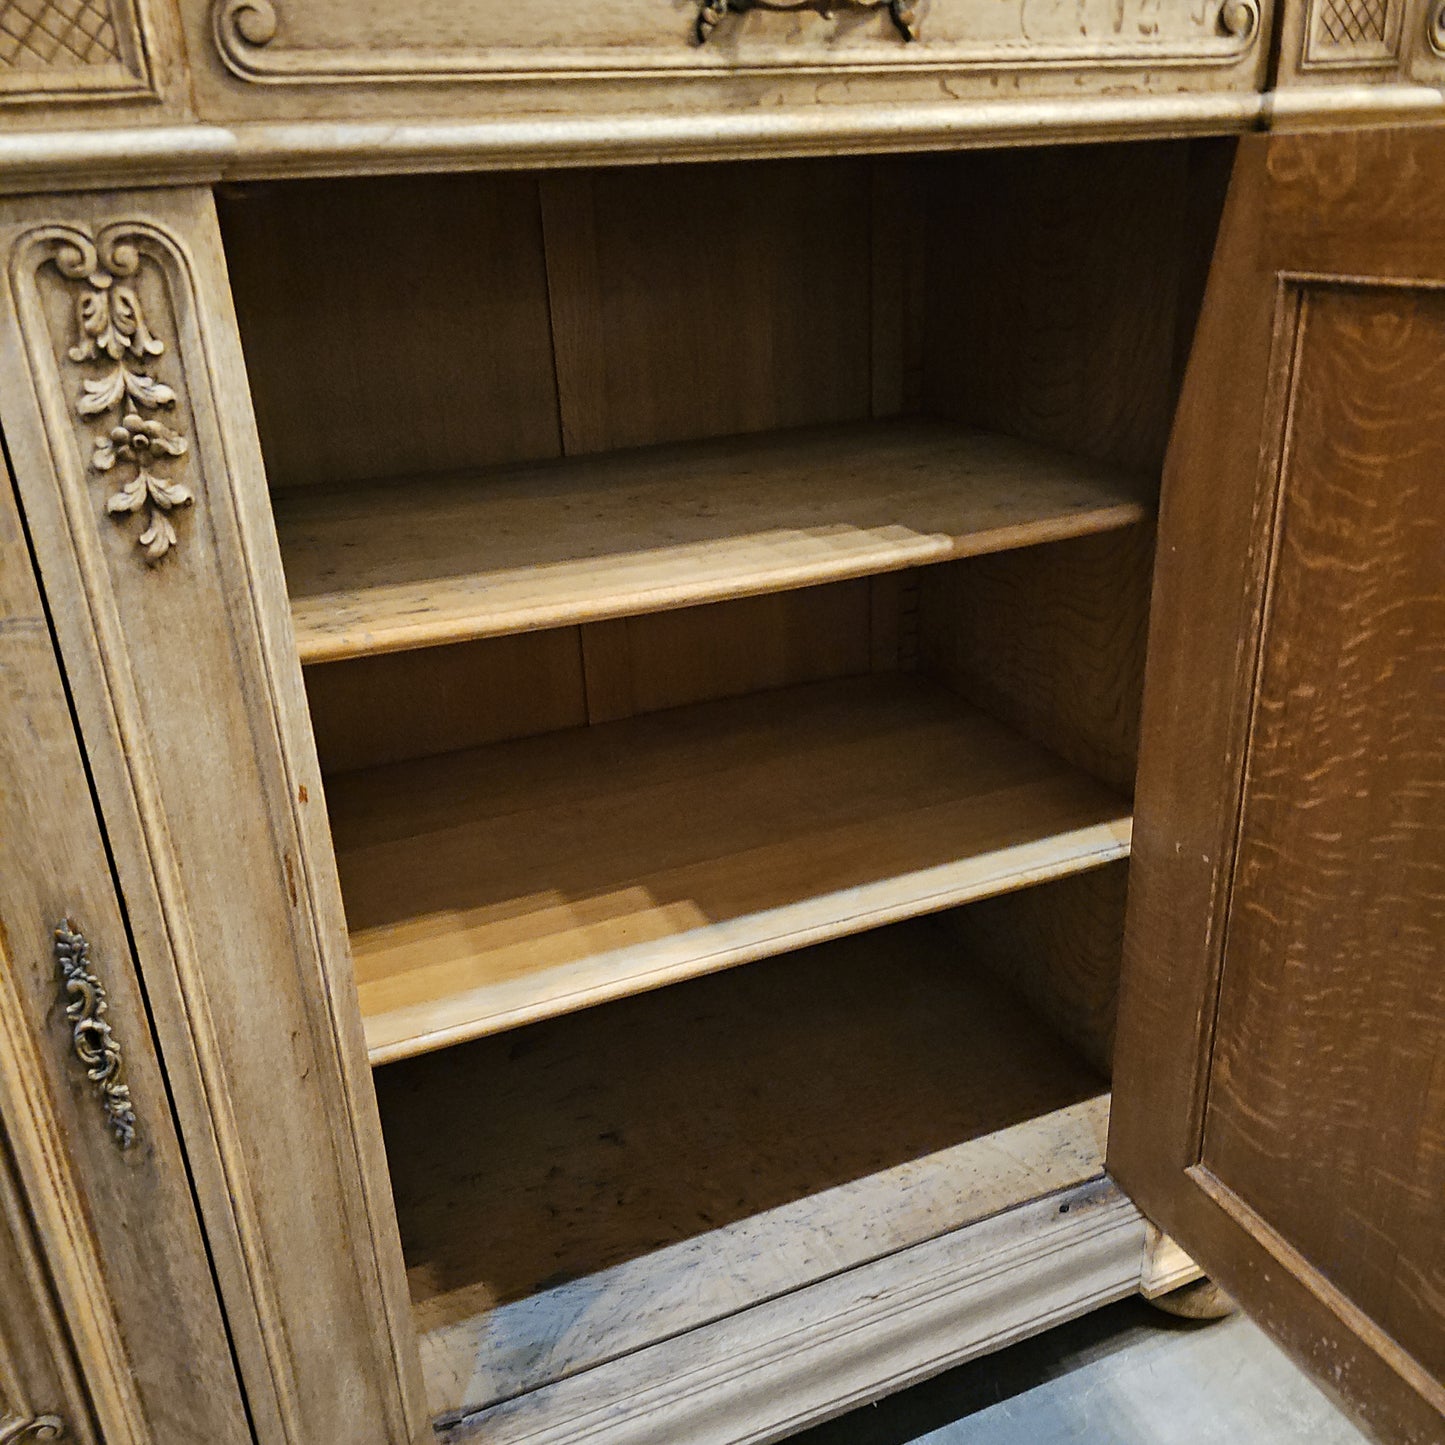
x=416 y=563
x=187 y=691
x=1280 y=1015
x=530 y=878
x=588 y=1186
x=118 y=1232
x=761 y=1375
x=39 y=1376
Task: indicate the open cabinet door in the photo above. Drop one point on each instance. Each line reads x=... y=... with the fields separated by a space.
x=1280 y=1073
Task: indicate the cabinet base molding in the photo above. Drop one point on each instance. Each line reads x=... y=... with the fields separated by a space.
x=767 y=1372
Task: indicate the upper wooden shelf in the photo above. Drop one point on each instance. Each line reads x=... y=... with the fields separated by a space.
x=384 y=567
x=533 y=878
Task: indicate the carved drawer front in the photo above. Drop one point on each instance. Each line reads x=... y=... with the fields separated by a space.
x=672 y=52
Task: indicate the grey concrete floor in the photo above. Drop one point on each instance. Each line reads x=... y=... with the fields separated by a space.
x=1126 y=1375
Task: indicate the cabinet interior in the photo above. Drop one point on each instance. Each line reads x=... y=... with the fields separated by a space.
x=712 y=565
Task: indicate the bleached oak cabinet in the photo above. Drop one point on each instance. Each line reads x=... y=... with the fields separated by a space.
x=641 y=802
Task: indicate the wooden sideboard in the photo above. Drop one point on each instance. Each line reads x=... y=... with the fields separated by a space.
x=641 y=802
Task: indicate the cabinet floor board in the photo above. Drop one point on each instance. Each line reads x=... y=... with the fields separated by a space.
x=419 y=562
x=490 y=888
x=588 y=1186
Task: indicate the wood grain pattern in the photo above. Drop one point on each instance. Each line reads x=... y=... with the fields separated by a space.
x=189 y=699
x=705 y=301
x=420 y=563
x=695 y=654
x=606 y=1181
x=1051 y=640
x=766 y=1372
x=38 y=1373
x=1054 y=288
x=1326 y=1108
x=1060 y=945
x=1356 y=206
x=393 y=327
x=539 y=876
x=364 y=710
x=118 y=1231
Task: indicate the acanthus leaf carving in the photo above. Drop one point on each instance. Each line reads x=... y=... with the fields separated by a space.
x=112 y=333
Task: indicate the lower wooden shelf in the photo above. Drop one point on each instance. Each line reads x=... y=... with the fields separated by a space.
x=495 y=887
x=583 y=1188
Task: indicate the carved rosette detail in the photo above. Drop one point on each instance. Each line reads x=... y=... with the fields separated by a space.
x=112 y=338
x=94 y=1043
x=14 y=1431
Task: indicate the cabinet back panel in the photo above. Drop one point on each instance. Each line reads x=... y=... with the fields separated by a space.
x=1060 y=946
x=405 y=326
x=704 y=301
x=393 y=327
x=1059 y=285
x=399 y=705
x=1050 y=639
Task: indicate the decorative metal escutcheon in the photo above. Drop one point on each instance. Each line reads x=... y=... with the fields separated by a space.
x=94 y=1043
x=903 y=13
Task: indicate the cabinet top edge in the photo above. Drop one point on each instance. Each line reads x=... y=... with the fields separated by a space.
x=201 y=153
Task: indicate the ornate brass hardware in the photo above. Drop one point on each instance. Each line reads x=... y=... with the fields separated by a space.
x=903 y=13
x=94 y=1044
x=31 y=1427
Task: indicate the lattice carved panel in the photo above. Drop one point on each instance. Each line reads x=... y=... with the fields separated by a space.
x=63 y=33
x=1352 y=32
x=55 y=49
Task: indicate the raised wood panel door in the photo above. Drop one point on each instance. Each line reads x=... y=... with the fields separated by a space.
x=1280 y=1077
x=101 y=1252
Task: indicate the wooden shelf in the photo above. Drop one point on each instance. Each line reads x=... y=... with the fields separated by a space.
x=493 y=887
x=383 y=567
x=591 y=1185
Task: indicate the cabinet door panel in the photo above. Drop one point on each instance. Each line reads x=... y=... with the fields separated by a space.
x=161 y=569
x=115 y=1222
x=1280 y=1079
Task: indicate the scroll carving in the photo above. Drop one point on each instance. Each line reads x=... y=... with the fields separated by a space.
x=282 y=42
x=115 y=343
x=95 y=1045
x=1436 y=28
x=21 y=1431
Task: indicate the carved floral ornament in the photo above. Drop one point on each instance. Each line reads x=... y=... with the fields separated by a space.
x=114 y=343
